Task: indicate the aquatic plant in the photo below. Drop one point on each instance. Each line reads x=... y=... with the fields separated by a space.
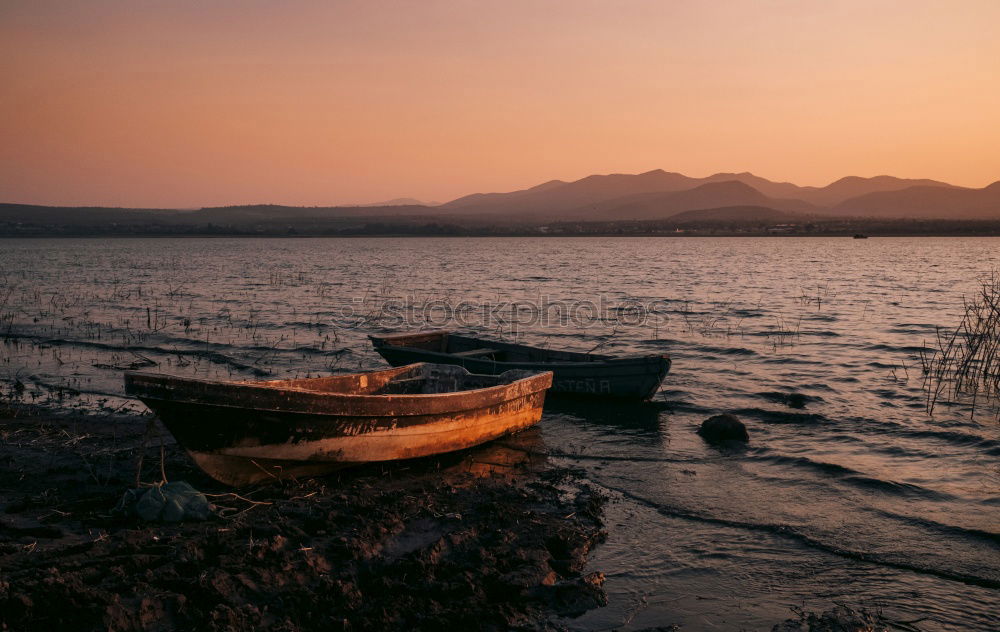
x=964 y=364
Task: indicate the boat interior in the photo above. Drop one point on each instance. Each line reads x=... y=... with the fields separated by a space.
x=478 y=348
x=414 y=379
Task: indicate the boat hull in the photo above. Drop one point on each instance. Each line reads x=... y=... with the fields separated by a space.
x=627 y=378
x=239 y=438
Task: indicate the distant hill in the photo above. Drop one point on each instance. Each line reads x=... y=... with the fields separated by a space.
x=489 y=202
x=831 y=194
x=556 y=196
x=662 y=205
x=83 y=215
x=401 y=202
x=853 y=186
x=921 y=202
x=273 y=212
x=765 y=186
x=238 y=217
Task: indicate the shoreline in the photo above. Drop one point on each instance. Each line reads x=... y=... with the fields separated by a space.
x=839 y=235
x=489 y=538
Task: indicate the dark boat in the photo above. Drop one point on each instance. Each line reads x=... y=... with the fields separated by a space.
x=243 y=432
x=574 y=372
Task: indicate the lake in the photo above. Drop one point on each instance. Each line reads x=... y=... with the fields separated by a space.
x=848 y=490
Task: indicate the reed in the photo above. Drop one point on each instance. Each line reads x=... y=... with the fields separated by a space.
x=963 y=365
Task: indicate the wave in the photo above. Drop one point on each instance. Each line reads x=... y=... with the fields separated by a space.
x=825 y=318
x=851 y=476
x=911 y=327
x=628 y=459
x=910 y=349
x=894 y=487
x=208 y=354
x=823 y=467
x=817 y=386
x=787 y=531
x=785 y=359
x=701 y=349
x=845 y=379
x=988 y=446
x=687 y=407
x=793 y=399
x=781 y=416
x=989 y=538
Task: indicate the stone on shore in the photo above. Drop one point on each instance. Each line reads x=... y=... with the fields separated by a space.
x=723 y=428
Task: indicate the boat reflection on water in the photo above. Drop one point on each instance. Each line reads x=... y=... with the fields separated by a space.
x=508 y=457
x=635 y=417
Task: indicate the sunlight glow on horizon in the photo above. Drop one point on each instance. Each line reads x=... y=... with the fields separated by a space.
x=310 y=102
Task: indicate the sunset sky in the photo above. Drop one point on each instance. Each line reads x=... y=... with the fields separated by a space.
x=189 y=103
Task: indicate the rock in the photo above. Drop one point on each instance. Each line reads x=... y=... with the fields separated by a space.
x=150 y=504
x=173 y=502
x=172 y=511
x=722 y=428
x=796 y=400
x=194 y=504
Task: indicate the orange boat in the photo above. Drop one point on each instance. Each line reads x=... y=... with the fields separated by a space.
x=244 y=432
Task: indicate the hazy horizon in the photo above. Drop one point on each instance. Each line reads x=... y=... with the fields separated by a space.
x=315 y=103
x=433 y=203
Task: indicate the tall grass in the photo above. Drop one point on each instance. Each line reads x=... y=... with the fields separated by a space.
x=964 y=364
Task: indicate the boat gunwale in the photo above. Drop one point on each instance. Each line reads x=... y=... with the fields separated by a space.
x=514 y=366
x=162 y=380
x=329 y=414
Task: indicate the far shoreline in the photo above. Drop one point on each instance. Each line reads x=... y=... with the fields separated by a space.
x=488 y=235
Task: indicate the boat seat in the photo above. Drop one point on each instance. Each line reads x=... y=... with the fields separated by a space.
x=471 y=353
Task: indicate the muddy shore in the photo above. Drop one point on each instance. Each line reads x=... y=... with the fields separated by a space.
x=491 y=538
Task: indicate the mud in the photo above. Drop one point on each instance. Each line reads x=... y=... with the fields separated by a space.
x=485 y=539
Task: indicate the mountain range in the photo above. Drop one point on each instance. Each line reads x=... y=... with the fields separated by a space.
x=653 y=195
x=659 y=194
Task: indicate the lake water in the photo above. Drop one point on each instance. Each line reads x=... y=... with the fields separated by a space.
x=848 y=491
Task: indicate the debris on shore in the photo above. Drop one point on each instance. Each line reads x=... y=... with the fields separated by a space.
x=427 y=545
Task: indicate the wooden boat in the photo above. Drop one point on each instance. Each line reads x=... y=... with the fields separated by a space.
x=243 y=432
x=574 y=373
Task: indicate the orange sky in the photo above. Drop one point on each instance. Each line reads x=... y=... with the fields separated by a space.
x=189 y=103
